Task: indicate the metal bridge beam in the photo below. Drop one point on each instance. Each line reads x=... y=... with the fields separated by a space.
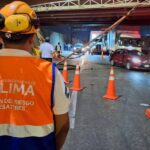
x=89 y=4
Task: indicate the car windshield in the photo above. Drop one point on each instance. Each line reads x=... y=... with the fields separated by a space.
x=134 y=52
x=130 y=42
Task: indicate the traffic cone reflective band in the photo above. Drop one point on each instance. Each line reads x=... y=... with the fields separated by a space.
x=147 y=112
x=76 y=82
x=65 y=73
x=111 y=92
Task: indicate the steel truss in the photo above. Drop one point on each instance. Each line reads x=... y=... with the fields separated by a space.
x=89 y=4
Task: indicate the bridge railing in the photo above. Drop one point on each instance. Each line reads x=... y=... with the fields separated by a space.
x=89 y=4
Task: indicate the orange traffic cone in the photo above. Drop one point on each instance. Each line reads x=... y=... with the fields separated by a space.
x=65 y=73
x=147 y=112
x=76 y=81
x=54 y=55
x=110 y=94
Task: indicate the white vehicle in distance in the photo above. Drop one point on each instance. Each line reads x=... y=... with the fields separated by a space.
x=77 y=48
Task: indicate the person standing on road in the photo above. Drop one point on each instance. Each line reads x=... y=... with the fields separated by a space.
x=46 y=50
x=58 y=49
x=33 y=103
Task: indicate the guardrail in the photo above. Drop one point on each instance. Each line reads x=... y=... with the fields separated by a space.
x=88 y=4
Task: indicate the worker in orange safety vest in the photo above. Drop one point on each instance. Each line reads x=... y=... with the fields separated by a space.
x=33 y=104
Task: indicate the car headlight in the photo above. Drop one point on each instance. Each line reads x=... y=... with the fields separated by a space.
x=83 y=49
x=136 y=60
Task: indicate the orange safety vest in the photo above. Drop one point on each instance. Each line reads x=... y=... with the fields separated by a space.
x=26 y=89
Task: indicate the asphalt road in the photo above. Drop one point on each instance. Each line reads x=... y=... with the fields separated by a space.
x=105 y=124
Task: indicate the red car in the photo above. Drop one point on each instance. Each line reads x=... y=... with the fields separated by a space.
x=131 y=59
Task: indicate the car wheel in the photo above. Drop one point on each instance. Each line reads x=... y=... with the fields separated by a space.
x=128 y=65
x=112 y=62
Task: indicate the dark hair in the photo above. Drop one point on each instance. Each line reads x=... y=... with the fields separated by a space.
x=15 y=38
x=1 y=45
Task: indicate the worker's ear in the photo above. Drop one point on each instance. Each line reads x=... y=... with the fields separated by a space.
x=30 y=43
x=31 y=39
x=1 y=40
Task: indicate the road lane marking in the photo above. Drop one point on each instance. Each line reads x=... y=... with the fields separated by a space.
x=74 y=95
x=143 y=104
x=73 y=103
x=72 y=111
x=72 y=123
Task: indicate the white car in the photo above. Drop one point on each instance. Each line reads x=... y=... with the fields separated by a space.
x=78 y=47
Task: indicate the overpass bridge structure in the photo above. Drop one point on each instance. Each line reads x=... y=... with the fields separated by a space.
x=93 y=11
x=89 y=4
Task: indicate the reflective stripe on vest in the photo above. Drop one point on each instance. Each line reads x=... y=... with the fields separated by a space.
x=26 y=131
x=25 y=96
